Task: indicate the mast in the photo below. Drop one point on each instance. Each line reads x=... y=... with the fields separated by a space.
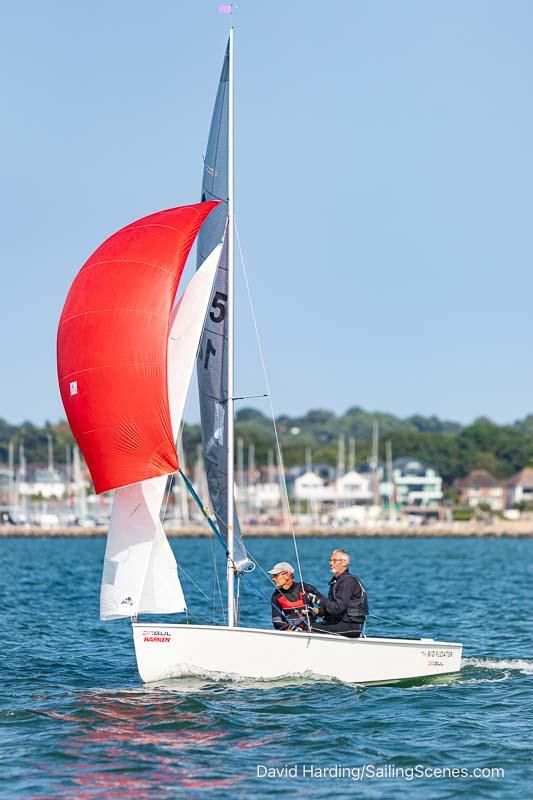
x=375 y=462
x=230 y=430
x=11 y=478
x=390 y=478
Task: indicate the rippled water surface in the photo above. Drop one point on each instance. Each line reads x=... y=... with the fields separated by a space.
x=76 y=722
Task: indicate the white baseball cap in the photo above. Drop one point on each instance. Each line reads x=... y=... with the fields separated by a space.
x=281 y=566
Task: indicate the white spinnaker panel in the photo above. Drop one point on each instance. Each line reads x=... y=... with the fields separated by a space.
x=133 y=530
x=140 y=571
x=162 y=588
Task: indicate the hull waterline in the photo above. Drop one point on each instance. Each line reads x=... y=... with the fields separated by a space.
x=174 y=651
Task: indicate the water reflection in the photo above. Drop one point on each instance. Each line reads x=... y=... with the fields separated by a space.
x=127 y=744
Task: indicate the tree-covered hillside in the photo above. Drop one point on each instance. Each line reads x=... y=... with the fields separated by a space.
x=453 y=449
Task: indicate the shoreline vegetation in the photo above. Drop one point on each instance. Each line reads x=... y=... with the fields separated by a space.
x=460 y=530
x=453 y=449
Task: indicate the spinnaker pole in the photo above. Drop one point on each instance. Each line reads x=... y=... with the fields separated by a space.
x=230 y=305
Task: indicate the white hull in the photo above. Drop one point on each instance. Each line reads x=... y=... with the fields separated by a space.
x=174 y=651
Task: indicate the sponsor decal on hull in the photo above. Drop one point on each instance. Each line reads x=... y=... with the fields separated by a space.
x=437 y=653
x=156 y=636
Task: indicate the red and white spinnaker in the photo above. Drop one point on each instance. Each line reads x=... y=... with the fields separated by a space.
x=125 y=359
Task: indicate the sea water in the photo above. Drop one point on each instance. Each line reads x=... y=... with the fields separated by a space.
x=76 y=721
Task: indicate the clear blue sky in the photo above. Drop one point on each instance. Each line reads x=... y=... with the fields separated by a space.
x=384 y=179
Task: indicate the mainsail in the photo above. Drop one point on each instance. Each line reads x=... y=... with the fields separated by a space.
x=213 y=353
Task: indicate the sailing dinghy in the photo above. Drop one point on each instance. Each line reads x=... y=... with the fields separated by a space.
x=125 y=359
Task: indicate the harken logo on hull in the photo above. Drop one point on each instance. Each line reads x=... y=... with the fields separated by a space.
x=156 y=636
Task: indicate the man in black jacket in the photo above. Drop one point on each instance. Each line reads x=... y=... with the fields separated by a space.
x=290 y=611
x=345 y=609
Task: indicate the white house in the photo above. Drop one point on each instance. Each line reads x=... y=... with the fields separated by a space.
x=259 y=496
x=353 y=488
x=416 y=483
x=313 y=488
x=519 y=488
x=349 y=489
x=479 y=488
x=47 y=483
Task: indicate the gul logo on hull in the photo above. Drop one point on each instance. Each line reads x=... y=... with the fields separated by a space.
x=156 y=636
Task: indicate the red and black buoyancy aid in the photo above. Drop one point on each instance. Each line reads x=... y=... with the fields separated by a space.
x=292 y=603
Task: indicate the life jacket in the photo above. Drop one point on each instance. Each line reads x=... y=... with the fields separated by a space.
x=357 y=607
x=287 y=604
x=293 y=610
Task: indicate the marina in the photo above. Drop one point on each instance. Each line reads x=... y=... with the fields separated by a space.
x=454 y=530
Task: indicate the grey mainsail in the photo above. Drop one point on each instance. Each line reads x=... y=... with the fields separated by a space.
x=213 y=352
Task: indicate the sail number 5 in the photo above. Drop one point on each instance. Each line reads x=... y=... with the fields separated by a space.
x=219 y=304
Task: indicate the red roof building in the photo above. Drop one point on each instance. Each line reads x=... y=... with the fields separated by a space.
x=481 y=488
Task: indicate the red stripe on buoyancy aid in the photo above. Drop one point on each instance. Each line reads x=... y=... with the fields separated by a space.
x=285 y=603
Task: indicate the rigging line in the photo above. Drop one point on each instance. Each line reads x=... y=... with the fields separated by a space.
x=179 y=439
x=385 y=619
x=219 y=537
x=171 y=477
x=166 y=498
x=193 y=582
x=244 y=575
x=217 y=580
x=205 y=511
x=282 y=480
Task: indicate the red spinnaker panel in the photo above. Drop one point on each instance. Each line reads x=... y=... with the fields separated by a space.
x=112 y=347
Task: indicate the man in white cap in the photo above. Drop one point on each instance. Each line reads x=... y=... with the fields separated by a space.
x=290 y=611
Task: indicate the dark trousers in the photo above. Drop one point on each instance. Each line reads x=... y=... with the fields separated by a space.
x=350 y=629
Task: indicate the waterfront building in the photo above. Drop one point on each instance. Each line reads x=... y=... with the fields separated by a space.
x=313 y=488
x=354 y=488
x=481 y=488
x=46 y=482
x=258 y=497
x=385 y=488
x=519 y=488
x=5 y=484
x=416 y=483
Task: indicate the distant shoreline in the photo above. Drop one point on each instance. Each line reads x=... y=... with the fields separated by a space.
x=457 y=530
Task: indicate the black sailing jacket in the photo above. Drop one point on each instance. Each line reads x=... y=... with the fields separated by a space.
x=347 y=600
